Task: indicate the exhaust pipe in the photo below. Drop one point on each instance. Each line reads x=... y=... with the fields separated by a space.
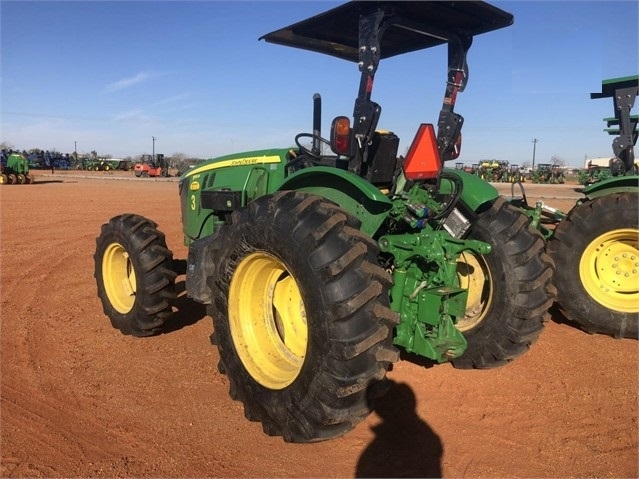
x=317 y=124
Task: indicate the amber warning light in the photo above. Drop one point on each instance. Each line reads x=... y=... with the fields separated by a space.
x=422 y=161
x=341 y=136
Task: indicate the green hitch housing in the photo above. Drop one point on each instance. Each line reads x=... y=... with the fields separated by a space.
x=426 y=291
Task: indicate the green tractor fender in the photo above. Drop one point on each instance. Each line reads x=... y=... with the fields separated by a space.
x=617 y=184
x=354 y=194
x=370 y=204
x=475 y=192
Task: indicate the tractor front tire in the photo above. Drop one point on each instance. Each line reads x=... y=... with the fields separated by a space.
x=301 y=316
x=134 y=274
x=509 y=290
x=596 y=250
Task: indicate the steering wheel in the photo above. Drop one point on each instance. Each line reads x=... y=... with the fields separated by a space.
x=306 y=151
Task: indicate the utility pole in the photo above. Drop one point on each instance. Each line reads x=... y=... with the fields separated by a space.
x=153 y=157
x=534 y=141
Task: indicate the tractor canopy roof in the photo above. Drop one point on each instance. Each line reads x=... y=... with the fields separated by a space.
x=412 y=25
x=610 y=86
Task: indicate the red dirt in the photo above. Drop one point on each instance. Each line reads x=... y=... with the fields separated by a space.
x=81 y=400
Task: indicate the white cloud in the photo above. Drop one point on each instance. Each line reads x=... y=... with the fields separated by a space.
x=173 y=99
x=127 y=82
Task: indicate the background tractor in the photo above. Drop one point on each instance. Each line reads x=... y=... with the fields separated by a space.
x=317 y=262
x=593 y=174
x=595 y=246
x=494 y=171
x=547 y=173
x=514 y=174
x=150 y=165
x=14 y=169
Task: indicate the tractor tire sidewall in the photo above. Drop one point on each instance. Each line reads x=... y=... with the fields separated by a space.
x=334 y=388
x=153 y=265
x=572 y=236
x=521 y=289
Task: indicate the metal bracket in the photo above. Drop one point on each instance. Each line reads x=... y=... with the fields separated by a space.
x=450 y=123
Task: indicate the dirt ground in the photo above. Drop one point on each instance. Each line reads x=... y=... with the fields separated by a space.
x=81 y=400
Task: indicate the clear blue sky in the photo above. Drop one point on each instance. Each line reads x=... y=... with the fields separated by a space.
x=112 y=75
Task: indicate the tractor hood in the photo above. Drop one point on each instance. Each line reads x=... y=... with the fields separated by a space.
x=411 y=26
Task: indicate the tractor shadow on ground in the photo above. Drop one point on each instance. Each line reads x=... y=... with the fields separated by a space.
x=46 y=182
x=557 y=317
x=188 y=311
x=417 y=359
x=404 y=445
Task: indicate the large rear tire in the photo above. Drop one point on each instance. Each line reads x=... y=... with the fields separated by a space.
x=596 y=250
x=301 y=316
x=510 y=289
x=134 y=274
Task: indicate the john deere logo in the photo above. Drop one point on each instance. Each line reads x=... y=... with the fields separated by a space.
x=195 y=185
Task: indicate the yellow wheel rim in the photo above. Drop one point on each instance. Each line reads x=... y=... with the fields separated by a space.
x=267 y=320
x=473 y=274
x=118 y=276
x=609 y=270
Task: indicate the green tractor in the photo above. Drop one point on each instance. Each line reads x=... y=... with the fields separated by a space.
x=493 y=171
x=593 y=174
x=548 y=174
x=318 y=262
x=514 y=174
x=595 y=246
x=15 y=171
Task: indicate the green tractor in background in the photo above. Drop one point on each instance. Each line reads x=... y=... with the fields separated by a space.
x=15 y=170
x=593 y=174
x=494 y=171
x=548 y=174
x=514 y=174
x=316 y=262
x=595 y=246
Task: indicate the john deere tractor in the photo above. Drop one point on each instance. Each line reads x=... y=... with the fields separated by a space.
x=318 y=262
x=596 y=245
x=15 y=170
